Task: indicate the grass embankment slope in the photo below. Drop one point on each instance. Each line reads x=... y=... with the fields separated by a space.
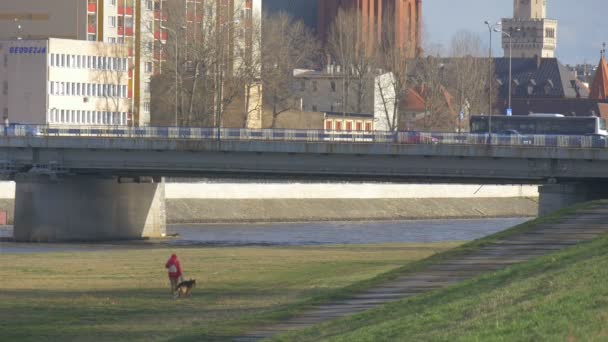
x=561 y=296
x=123 y=295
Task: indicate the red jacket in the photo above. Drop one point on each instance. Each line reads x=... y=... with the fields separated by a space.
x=175 y=269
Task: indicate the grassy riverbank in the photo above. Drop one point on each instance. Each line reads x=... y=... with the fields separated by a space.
x=123 y=294
x=561 y=296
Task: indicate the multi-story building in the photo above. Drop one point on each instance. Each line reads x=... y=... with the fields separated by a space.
x=406 y=17
x=217 y=35
x=123 y=22
x=64 y=82
x=369 y=103
x=529 y=32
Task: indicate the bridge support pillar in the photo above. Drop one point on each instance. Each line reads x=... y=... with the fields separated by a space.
x=88 y=208
x=557 y=196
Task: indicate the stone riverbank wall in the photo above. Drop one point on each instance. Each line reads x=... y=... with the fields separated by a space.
x=290 y=202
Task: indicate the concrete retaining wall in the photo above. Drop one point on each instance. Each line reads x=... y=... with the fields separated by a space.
x=291 y=210
x=251 y=202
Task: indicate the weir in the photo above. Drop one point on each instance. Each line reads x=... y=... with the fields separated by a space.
x=88 y=208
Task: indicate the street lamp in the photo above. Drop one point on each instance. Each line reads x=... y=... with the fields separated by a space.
x=496 y=29
x=176 y=66
x=491 y=28
x=19 y=29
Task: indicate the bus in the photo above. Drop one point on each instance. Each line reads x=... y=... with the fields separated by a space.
x=540 y=124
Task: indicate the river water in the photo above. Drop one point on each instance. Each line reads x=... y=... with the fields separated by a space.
x=290 y=234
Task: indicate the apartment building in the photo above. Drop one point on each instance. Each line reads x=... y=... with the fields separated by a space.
x=125 y=23
x=64 y=82
x=220 y=36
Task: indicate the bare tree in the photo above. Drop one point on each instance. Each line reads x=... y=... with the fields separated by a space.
x=355 y=54
x=286 y=45
x=430 y=79
x=112 y=74
x=215 y=70
x=391 y=89
x=468 y=80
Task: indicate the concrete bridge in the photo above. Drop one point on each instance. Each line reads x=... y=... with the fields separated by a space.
x=87 y=187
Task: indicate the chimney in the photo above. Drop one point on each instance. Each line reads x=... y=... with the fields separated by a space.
x=539 y=60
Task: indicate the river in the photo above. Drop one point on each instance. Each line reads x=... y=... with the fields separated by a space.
x=289 y=234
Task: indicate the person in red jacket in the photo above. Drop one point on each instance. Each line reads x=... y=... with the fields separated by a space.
x=175 y=271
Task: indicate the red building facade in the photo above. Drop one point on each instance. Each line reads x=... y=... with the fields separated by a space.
x=405 y=14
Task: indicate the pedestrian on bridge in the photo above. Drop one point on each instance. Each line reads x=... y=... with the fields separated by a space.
x=175 y=272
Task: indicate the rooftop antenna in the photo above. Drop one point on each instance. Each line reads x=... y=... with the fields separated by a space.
x=603 y=51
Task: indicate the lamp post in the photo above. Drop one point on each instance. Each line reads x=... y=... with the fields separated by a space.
x=491 y=28
x=220 y=63
x=176 y=67
x=19 y=29
x=509 y=35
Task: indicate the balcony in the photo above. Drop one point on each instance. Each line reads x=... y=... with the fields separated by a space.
x=159 y=36
x=92 y=29
x=125 y=10
x=91 y=8
x=124 y=32
x=157 y=16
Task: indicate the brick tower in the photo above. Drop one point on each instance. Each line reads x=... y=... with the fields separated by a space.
x=407 y=19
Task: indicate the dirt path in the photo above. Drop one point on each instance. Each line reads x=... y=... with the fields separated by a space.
x=570 y=230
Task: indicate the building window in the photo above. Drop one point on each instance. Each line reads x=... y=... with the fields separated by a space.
x=5 y=88
x=314 y=86
x=147 y=107
x=338 y=125
x=368 y=126
x=333 y=86
x=113 y=2
x=148 y=67
x=112 y=21
x=150 y=5
x=302 y=85
x=5 y=113
x=359 y=126
x=349 y=126
x=328 y=125
x=147 y=87
x=111 y=40
x=314 y=108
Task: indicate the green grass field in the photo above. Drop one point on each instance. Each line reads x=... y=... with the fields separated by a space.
x=560 y=297
x=123 y=295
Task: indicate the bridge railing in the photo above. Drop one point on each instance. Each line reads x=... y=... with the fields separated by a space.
x=313 y=136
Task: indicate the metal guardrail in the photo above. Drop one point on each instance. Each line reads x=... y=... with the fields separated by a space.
x=224 y=134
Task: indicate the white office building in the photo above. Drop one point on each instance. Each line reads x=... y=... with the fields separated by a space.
x=64 y=82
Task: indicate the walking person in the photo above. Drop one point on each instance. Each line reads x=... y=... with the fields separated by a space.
x=175 y=272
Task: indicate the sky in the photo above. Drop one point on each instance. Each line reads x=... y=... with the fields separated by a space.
x=582 y=24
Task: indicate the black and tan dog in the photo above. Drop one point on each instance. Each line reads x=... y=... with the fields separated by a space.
x=185 y=288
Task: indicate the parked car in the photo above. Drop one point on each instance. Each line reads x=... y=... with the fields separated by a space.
x=414 y=137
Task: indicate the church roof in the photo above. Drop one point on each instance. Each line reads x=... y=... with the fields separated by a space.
x=599 y=87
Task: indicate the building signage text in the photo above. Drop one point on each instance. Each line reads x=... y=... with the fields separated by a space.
x=27 y=50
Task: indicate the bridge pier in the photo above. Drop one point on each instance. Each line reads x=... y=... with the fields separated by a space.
x=88 y=208
x=553 y=197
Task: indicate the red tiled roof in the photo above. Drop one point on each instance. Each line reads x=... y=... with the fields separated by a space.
x=415 y=99
x=599 y=87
